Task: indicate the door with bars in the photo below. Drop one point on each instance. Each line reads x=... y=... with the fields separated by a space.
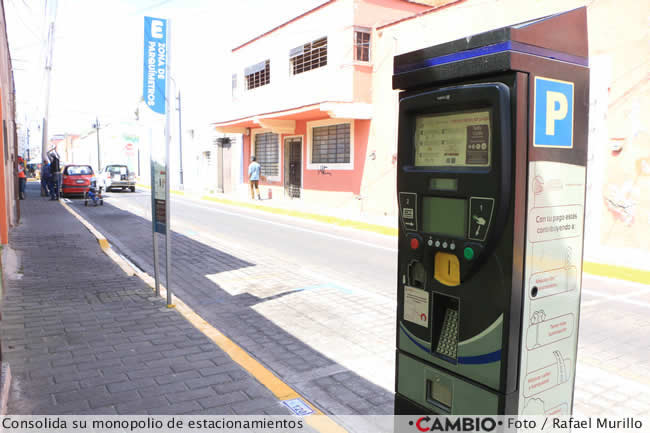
x=293 y=162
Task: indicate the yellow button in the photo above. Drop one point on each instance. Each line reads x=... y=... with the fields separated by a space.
x=446 y=269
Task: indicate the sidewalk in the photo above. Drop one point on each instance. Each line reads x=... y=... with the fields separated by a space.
x=82 y=337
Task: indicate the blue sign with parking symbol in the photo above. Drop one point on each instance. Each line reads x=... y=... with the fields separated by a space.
x=553 y=113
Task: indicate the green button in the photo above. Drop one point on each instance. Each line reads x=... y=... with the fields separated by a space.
x=468 y=253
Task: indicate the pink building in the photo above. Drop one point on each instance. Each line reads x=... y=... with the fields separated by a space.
x=302 y=98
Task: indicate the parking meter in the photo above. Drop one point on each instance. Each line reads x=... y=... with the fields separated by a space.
x=492 y=152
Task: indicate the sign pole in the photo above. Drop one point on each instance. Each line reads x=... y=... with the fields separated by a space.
x=156 y=95
x=168 y=138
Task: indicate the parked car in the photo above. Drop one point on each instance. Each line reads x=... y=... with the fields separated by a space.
x=117 y=176
x=76 y=179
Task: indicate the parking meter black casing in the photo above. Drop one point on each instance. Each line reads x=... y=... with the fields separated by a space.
x=487 y=319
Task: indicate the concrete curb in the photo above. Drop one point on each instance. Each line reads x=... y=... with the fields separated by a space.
x=5 y=386
x=279 y=388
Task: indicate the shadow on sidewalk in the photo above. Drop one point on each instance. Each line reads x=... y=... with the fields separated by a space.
x=334 y=388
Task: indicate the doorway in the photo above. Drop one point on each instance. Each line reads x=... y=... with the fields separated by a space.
x=292 y=166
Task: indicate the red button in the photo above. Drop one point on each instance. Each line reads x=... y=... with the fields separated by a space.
x=415 y=244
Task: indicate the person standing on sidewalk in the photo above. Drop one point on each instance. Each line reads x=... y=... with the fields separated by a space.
x=55 y=170
x=254 y=177
x=22 y=178
x=46 y=176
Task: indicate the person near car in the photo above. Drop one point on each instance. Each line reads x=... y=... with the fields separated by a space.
x=45 y=176
x=254 y=177
x=22 y=178
x=55 y=171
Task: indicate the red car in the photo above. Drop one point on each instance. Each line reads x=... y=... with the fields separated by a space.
x=76 y=179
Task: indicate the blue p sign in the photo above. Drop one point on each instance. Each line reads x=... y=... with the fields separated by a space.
x=553 y=117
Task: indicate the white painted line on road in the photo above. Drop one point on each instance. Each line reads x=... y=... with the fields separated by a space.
x=288 y=226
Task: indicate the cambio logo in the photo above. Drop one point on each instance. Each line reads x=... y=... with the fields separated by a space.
x=156 y=29
x=455 y=424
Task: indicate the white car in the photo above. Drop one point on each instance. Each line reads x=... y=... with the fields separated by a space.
x=117 y=176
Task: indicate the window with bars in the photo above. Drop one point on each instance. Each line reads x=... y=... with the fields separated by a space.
x=267 y=152
x=258 y=75
x=331 y=144
x=361 y=46
x=309 y=56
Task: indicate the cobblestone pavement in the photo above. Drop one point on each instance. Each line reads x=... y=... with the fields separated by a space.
x=82 y=337
x=277 y=310
x=613 y=371
x=298 y=322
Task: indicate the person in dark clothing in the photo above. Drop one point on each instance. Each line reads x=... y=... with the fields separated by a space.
x=46 y=176
x=22 y=178
x=55 y=170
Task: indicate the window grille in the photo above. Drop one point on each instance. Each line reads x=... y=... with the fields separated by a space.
x=331 y=144
x=361 y=46
x=310 y=56
x=267 y=153
x=258 y=75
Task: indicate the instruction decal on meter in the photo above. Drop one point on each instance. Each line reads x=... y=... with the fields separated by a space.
x=553 y=114
x=416 y=306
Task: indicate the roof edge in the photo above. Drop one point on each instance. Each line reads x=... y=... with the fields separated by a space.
x=419 y=14
x=327 y=3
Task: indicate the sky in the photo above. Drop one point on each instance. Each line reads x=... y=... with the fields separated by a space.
x=98 y=54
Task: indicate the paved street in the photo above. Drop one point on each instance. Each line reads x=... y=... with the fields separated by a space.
x=277 y=307
x=328 y=294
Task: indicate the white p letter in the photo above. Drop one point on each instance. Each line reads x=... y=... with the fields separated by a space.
x=553 y=114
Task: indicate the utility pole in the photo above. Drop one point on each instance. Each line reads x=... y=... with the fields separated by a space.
x=48 y=81
x=99 y=157
x=180 y=137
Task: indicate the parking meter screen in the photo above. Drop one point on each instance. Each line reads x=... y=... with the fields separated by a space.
x=453 y=139
x=444 y=216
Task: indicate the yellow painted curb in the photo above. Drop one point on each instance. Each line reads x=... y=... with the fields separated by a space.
x=617 y=272
x=273 y=383
x=103 y=243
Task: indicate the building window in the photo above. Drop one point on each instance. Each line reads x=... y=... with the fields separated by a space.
x=267 y=152
x=309 y=56
x=258 y=75
x=362 y=46
x=234 y=85
x=331 y=144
